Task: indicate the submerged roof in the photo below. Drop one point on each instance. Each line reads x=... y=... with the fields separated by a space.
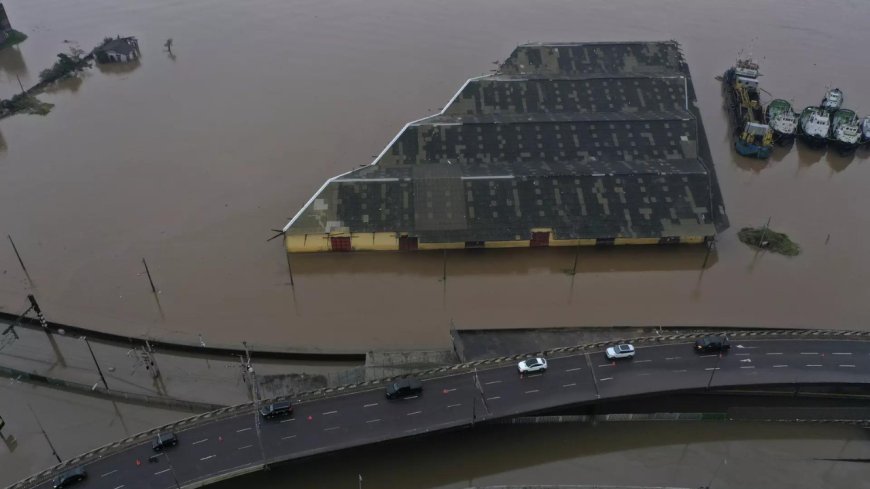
x=593 y=140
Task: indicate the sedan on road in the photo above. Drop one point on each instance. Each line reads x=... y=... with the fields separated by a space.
x=619 y=351
x=530 y=365
x=712 y=343
x=69 y=478
x=163 y=441
x=404 y=388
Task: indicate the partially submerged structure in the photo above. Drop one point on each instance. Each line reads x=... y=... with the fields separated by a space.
x=565 y=145
x=117 y=50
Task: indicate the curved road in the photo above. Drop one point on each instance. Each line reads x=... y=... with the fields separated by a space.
x=231 y=445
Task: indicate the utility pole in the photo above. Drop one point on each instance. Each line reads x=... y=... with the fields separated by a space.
x=171 y=469
x=38 y=312
x=99 y=370
x=148 y=272
x=155 y=371
x=50 y=445
x=255 y=394
x=17 y=255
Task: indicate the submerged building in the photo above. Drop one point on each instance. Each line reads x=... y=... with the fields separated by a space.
x=564 y=145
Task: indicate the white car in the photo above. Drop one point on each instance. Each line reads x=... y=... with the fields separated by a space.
x=530 y=365
x=620 y=351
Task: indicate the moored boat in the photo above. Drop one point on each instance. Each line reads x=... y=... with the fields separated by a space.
x=833 y=100
x=845 y=130
x=865 y=130
x=813 y=126
x=782 y=120
x=753 y=137
x=755 y=140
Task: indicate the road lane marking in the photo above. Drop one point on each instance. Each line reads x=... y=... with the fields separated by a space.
x=493 y=398
x=374 y=420
x=772 y=353
x=708 y=356
x=492 y=382
x=288 y=420
x=244 y=447
x=532 y=391
x=750 y=366
x=644 y=374
x=606 y=365
x=200 y=441
x=328 y=413
x=780 y=366
x=206 y=458
x=447 y=391
x=411 y=430
x=161 y=472
x=841 y=353
x=410 y=397
x=606 y=378
x=642 y=361
x=672 y=358
x=569 y=385
x=574 y=369
x=743 y=354
x=119 y=487
x=813 y=365
x=370 y=405
x=109 y=473
x=288 y=437
x=847 y=365
x=243 y=429
x=809 y=353
x=679 y=371
x=415 y=412
x=453 y=406
x=711 y=368
x=331 y=428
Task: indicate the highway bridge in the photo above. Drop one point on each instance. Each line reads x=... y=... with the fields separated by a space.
x=232 y=443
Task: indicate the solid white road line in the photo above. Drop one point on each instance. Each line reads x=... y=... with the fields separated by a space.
x=574 y=369
x=453 y=406
x=161 y=472
x=288 y=437
x=243 y=429
x=200 y=441
x=415 y=412
x=370 y=405
x=109 y=473
x=206 y=458
x=328 y=413
x=374 y=420
x=244 y=447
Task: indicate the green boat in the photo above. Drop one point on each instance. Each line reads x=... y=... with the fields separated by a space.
x=845 y=130
x=782 y=120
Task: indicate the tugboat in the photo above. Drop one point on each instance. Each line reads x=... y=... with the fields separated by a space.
x=833 y=100
x=753 y=137
x=865 y=130
x=782 y=120
x=813 y=126
x=845 y=131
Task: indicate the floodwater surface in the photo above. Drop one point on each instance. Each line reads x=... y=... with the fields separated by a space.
x=191 y=159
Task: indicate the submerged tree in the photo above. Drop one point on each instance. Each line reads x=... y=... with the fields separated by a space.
x=168 y=44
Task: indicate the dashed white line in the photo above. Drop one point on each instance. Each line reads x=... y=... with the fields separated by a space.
x=493 y=398
x=411 y=397
x=447 y=391
x=411 y=430
x=672 y=358
x=773 y=353
x=288 y=420
x=809 y=353
x=492 y=382
x=841 y=353
x=643 y=374
x=532 y=391
x=288 y=437
x=569 y=385
x=331 y=428
x=206 y=458
x=606 y=378
x=119 y=487
x=574 y=369
x=374 y=420
x=197 y=442
x=243 y=429
x=161 y=472
x=711 y=368
x=244 y=447
x=743 y=354
x=606 y=365
x=415 y=412
x=708 y=356
x=328 y=413
x=642 y=361
x=370 y=405
x=679 y=371
x=750 y=366
x=109 y=473
x=849 y=366
x=813 y=365
x=780 y=366
x=453 y=406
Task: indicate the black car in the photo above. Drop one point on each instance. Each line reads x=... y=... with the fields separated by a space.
x=404 y=388
x=276 y=409
x=69 y=478
x=712 y=343
x=163 y=441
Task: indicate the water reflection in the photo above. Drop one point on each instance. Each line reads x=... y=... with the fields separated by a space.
x=118 y=68
x=12 y=63
x=839 y=162
x=808 y=156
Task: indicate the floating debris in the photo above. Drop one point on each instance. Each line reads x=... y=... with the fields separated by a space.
x=766 y=239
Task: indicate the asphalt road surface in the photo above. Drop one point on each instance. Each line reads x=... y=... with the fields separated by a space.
x=363 y=417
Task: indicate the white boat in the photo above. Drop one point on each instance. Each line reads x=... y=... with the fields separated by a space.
x=845 y=130
x=833 y=100
x=865 y=130
x=814 y=125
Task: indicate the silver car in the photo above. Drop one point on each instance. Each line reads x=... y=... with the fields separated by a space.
x=620 y=351
x=530 y=365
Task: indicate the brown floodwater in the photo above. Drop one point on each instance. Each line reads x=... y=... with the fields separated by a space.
x=190 y=160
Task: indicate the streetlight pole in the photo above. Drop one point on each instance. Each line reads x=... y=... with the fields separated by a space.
x=99 y=370
x=255 y=393
x=50 y=445
x=172 y=469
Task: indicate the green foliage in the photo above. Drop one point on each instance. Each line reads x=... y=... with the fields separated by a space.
x=65 y=65
x=768 y=239
x=24 y=103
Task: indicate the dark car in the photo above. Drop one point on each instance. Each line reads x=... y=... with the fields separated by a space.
x=404 y=388
x=163 y=441
x=276 y=409
x=69 y=478
x=712 y=344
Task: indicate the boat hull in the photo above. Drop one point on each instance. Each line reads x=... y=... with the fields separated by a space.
x=752 y=150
